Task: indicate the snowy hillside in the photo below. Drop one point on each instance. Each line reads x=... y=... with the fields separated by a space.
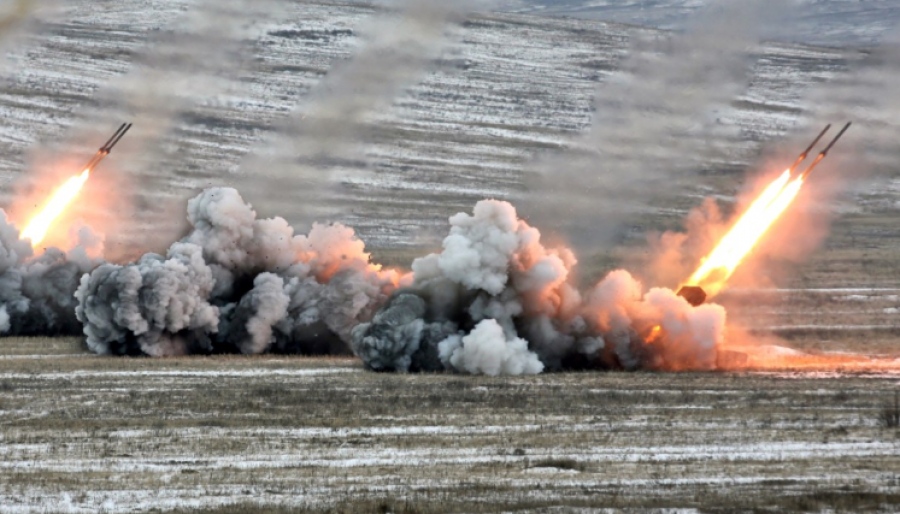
x=507 y=88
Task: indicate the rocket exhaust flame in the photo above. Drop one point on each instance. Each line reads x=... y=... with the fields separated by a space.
x=38 y=226
x=715 y=270
x=721 y=263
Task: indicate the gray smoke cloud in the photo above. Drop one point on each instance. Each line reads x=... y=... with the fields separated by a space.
x=497 y=301
x=653 y=122
x=36 y=291
x=235 y=283
x=157 y=306
x=324 y=132
x=249 y=324
x=18 y=17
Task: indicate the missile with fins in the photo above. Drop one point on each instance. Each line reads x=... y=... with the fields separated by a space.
x=803 y=155
x=695 y=295
x=108 y=146
x=824 y=152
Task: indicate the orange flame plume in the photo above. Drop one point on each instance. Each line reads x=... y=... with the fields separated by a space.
x=59 y=201
x=718 y=266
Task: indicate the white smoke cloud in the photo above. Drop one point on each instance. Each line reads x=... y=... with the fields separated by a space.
x=477 y=251
x=497 y=301
x=486 y=351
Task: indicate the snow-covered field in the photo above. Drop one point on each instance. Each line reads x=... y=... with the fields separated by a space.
x=507 y=88
x=825 y=22
x=269 y=433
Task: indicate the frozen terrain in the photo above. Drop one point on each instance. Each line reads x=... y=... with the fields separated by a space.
x=506 y=89
x=825 y=22
x=275 y=434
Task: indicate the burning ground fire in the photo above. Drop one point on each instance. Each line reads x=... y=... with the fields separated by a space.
x=494 y=301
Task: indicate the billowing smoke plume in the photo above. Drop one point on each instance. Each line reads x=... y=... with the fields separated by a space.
x=37 y=292
x=497 y=301
x=235 y=283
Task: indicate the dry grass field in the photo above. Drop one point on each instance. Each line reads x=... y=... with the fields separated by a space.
x=80 y=433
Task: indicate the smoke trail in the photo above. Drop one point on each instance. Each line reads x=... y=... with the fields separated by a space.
x=36 y=292
x=397 y=48
x=184 y=63
x=864 y=93
x=652 y=123
x=497 y=301
x=17 y=17
x=235 y=283
x=180 y=66
x=13 y=17
x=867 y=95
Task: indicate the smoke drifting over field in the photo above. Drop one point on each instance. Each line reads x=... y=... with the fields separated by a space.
x=323 y=132
x=652 y=122
x=18 y=16
x=183 y=64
